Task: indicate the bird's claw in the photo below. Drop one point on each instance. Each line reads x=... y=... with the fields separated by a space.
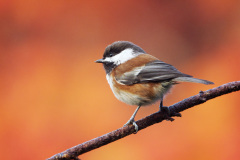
x=132 y=122
x=169 y=114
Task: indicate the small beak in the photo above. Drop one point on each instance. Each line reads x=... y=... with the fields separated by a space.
x=100 y=61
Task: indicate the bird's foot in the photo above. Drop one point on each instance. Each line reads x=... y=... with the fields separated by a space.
x=168 y=114
x=132 y=122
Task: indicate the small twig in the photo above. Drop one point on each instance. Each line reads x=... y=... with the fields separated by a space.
x=74 y=152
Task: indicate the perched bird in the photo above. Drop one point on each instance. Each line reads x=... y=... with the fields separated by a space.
x=138 y=78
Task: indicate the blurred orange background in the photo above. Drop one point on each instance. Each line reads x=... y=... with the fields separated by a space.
x=53 y=96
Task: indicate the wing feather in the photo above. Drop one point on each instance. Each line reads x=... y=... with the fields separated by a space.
x=155 y=71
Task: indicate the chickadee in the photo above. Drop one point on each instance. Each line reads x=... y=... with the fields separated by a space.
x=138 y=78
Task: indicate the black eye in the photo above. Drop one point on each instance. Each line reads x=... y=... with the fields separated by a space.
x=111 y=54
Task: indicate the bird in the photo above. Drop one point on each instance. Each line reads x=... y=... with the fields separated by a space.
x=138 y=78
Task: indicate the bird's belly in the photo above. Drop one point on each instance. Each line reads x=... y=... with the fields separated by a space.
x=128 y=98
x=139 y=94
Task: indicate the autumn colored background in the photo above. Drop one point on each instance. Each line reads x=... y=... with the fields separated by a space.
x=53 y=96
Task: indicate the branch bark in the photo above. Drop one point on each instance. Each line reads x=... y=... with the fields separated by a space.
x=175 y=109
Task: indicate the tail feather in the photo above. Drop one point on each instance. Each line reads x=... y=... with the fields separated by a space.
x=191 y=79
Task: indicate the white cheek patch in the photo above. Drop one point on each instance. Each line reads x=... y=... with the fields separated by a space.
x=122 y=57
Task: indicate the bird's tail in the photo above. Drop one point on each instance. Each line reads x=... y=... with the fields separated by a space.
x=191 y=79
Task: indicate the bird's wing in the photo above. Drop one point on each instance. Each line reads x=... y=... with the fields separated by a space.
x=155 y=71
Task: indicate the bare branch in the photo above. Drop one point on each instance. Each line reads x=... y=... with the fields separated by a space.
x=202 y=97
